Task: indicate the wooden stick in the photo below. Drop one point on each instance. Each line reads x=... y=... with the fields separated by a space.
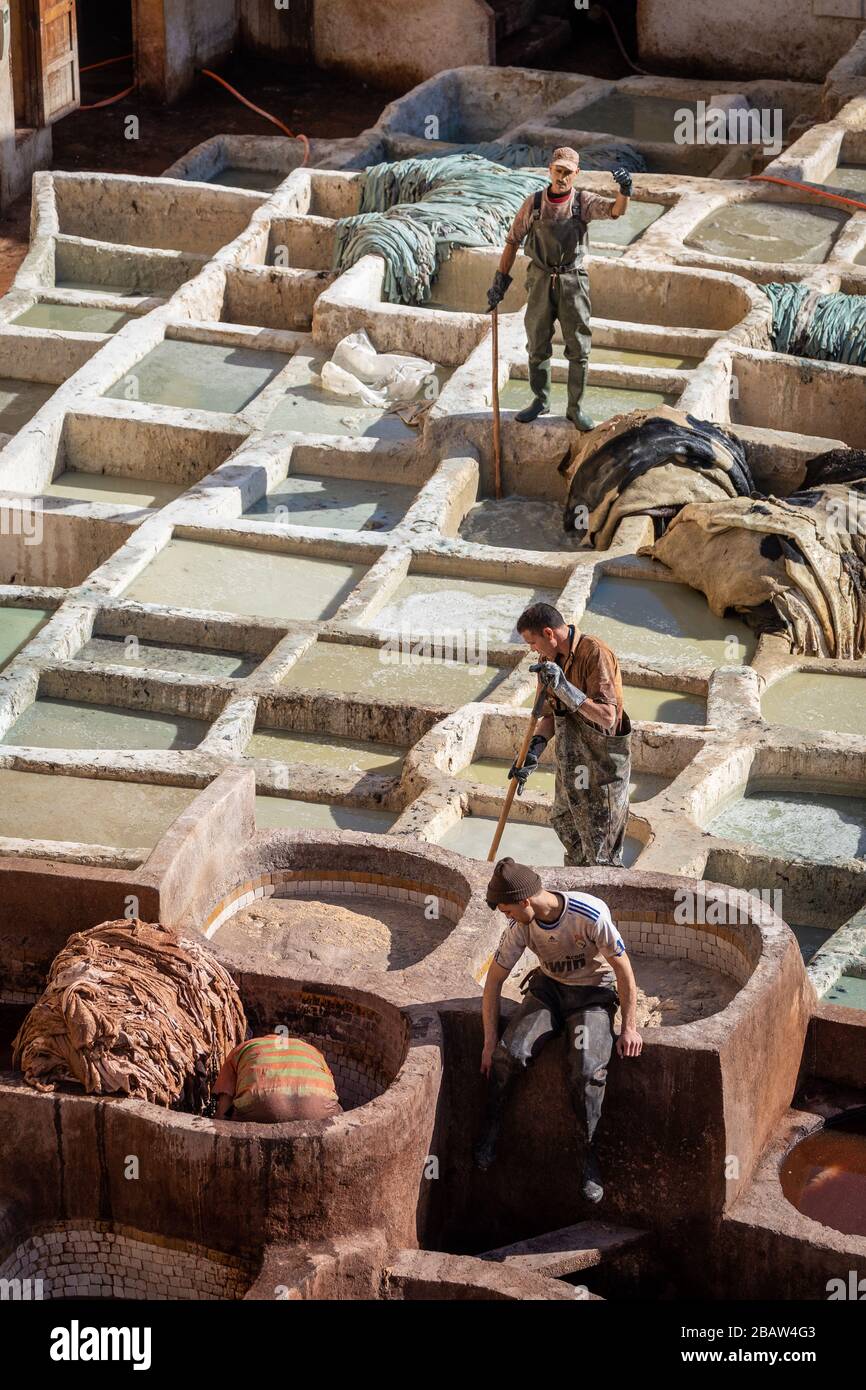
x=497 y=454
x=521 y=758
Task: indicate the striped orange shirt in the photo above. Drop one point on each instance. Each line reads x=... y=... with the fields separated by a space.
x=275 y=1064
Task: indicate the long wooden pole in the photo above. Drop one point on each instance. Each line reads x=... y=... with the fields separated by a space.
x=497 y=444
x=521 y=758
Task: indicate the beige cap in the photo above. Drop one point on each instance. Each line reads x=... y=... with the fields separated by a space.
x=566 y=155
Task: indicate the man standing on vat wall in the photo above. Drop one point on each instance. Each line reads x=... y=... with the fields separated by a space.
x=553 y=225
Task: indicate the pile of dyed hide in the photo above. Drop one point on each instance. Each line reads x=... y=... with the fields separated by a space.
x=828 y=327
x=415 y=210
x=800 y=559
x=649 y=463
x=132 y=1009
x=795 y=564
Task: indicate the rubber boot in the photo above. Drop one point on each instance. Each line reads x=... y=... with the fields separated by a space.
x=499 y=1086
x=577 y=369
x=485 y=1151
x=591 y=1188
x=531 y=412
x=540 y=375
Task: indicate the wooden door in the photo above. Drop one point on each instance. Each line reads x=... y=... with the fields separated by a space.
x=55 y=59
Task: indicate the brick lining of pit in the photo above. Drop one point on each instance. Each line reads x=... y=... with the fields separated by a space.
x=74 y=1260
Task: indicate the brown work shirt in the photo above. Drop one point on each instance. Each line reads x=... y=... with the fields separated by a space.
x=593 y=668
x=592 y=207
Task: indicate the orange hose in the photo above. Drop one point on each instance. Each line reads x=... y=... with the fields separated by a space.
x=259 y=112
x=810 y=188
x=108 y=101
x=106 y=62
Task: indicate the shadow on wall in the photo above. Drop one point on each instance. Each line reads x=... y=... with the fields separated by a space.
x=664 y=1161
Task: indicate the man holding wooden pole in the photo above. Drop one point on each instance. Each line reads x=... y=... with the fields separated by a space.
x=584 y=712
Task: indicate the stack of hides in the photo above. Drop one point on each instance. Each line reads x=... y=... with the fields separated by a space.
x=132 y=1009
x=415 y=210
x=802 y=559
x=649 y=463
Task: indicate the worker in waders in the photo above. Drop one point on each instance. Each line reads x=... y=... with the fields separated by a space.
x=553 y=224
x=583 y=973
x=584 y=711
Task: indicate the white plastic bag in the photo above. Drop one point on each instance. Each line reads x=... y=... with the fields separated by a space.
x=357 y=355
x=376 y=378
x=342 y=383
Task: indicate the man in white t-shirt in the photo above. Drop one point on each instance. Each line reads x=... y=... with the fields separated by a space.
x=582 y=962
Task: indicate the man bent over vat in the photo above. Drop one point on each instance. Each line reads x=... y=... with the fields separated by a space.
x=274 y=1078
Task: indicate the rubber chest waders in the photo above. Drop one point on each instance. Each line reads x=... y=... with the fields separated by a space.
x=593 y=774
x=557 y=288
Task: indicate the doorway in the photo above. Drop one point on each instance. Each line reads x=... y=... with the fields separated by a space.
x=105 y=48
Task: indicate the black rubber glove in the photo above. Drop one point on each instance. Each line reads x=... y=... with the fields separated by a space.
x=498 y=289
x=530 y=763
x=553 y=679
x=623 y=178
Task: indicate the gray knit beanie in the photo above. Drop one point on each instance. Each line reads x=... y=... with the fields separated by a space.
x=511 y=883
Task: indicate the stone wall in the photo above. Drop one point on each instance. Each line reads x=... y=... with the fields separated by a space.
x=434 y=35
x=278 y=33
x=18 y=156
x=173 y=38
x=795 y=39
x=72 y=1261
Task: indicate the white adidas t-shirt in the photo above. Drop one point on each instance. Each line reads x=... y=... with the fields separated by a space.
x=575 y=948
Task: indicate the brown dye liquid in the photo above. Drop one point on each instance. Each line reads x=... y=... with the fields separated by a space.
x=824 y=1177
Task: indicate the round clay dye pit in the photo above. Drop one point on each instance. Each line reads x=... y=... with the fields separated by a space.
x=363 y=1038
x=824 y=1176
x=100 y=1262
x=340 y=920
x=336 y=932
